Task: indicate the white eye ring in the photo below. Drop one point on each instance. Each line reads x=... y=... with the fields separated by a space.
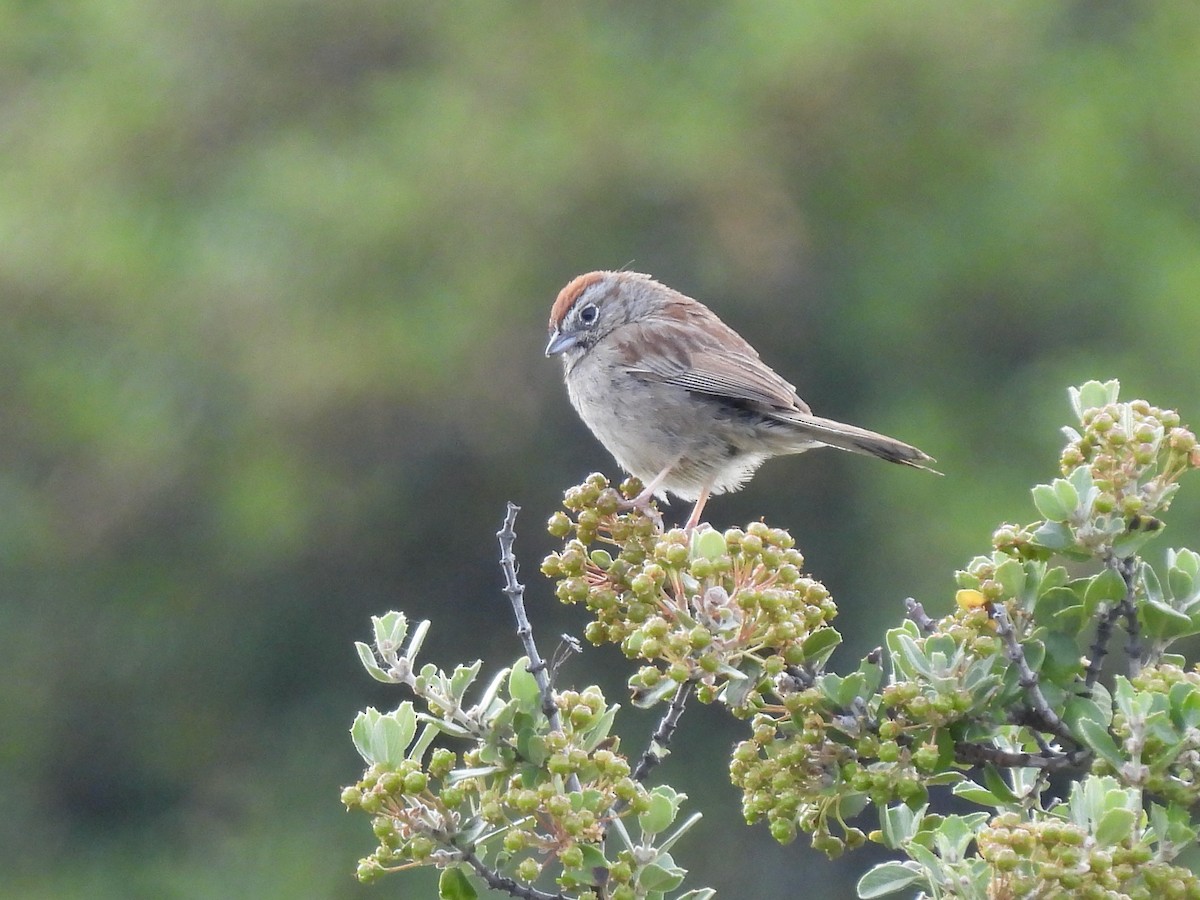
x=588 y=314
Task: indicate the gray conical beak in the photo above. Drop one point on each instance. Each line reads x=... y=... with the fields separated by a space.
x=559 y=342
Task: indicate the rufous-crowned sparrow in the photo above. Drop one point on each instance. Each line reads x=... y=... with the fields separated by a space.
x=678 y=397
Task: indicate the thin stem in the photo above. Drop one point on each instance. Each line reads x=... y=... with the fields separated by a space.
x=976 y=754
x=917 y=613
x=498 y=882
x=1046 y=718
x=662 y=735
x=1127 y=569
x=515 y=591
x=1099 y=648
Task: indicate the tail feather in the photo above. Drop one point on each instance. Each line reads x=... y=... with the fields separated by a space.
x=860 y=440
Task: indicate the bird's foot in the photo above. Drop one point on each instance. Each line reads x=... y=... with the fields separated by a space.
x=644 y=503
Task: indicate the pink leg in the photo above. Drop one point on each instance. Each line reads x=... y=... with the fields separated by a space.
x=643 y=499
x=694 y=518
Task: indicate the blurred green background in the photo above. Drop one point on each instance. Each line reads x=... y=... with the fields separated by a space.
x=275 y=277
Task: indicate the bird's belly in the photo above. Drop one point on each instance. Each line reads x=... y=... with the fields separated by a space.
x=708 y=446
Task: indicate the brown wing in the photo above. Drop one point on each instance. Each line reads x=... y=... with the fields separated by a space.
x=698 y=352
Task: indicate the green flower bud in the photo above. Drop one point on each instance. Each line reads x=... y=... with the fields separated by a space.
x=528 y=870
x=559 y=525
x=571 y=857
x=783 y=830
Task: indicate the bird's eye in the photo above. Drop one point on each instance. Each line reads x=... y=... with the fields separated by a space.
x=588 y=314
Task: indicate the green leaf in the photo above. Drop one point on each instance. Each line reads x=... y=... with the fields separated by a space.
x=666 y=687
x=914 y=661
x=1185 y=704
x=955 y=833
x=367 y=657
x=1096 y=737
x=360 y=733
x=454 y=885
x=390 y=629
x=1080 y=708
x=924 y=857
x=462 y=678
x=593 y=858
x=830 y=684
x=1093 y=395
x=1172 y=824
x=1180 y=583
x=599 y=731
x=530 y=744
x=662 y=809
x=523 y=686
x=1035 y=652
x=1011 y=575
x=1081 y=479
x=1048 y=504
x=1163 y=622
x=736 y=689
x=872 y=674
x=393 y=733
x=1062 y=661
x=1115 y=825
x=1060 y=609
x=851 y=687
x=1106 y=587
x=1151 y=586
x=383 y=739
x=428 y=733
x=661 y=875
x=898 y=824
x=997 y=785
x=974 y=793
x=1068 y=497
x=1056 y=577
x=850 y=805
x=1053 y=536
x=708 y=544
x=1187 y=561
x=890 y=878
x=819 y=645
x=1131 y=542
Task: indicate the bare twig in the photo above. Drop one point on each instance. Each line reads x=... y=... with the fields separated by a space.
x=1045 y=718
x=515 y=591
x=1099 y=648
x=498 y=882
x=662 y=735
x=976 y=754
x=1126 y=567
x=917 y=613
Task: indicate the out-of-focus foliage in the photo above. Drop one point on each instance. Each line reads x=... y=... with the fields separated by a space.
x=274 y=279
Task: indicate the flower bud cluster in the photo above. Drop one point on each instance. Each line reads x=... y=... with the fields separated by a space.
x=1161 y=735
x=551 y=794
x=1136 y=453
x=696 y=605
x=793 y=777
x=1016 y=541
x=1050 y=857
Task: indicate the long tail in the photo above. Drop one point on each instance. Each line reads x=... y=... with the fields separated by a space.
x=859 y=440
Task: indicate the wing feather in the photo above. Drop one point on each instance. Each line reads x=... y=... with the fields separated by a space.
x=712 y=359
